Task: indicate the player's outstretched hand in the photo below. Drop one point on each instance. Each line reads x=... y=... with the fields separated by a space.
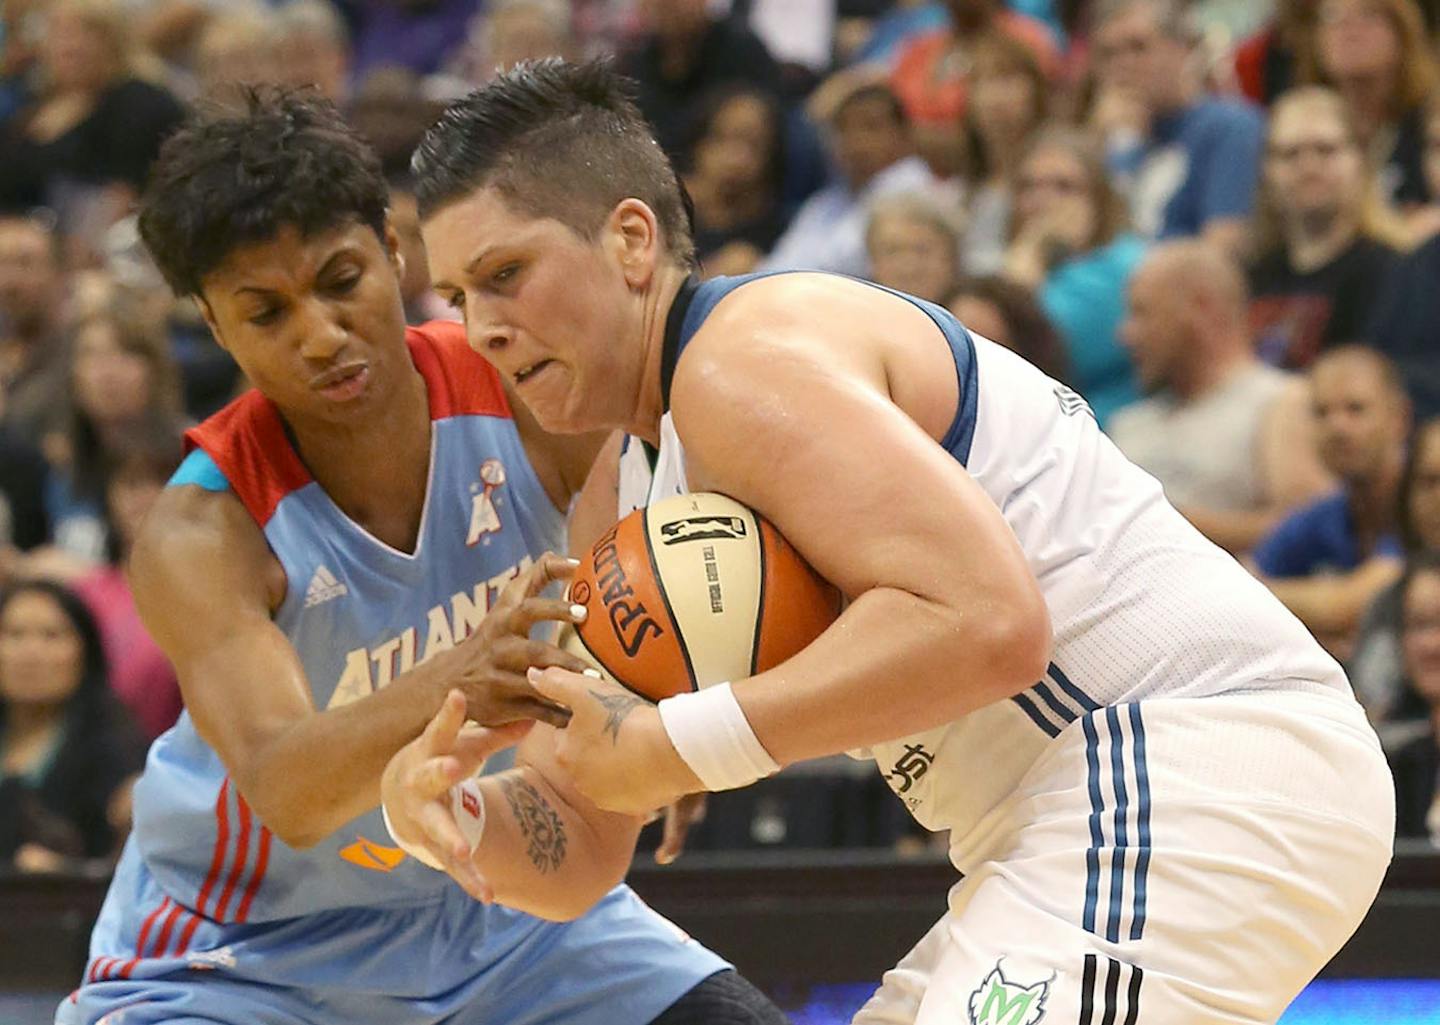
x=679 y=817
x=415 y=789
x=491 y=662
x=615 y=748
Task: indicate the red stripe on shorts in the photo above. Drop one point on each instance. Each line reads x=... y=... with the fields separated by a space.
x=145 y=928
x=262 y=861
x=222 y=841
x=242 y=855
x=163 y=939
x=183 y=943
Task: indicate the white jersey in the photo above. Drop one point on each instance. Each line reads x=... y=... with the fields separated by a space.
x=1142 y=605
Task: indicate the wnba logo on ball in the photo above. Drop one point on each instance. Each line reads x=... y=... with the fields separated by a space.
x=702 y=528
x=631 y=622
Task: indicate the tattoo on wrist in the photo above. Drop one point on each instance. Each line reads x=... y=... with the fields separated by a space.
x=617 y=707
x=539 y=823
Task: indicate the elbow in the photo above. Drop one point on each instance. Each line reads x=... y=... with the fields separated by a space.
x=1018 y=645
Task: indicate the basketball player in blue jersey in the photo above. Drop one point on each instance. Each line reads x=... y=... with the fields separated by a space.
x=1166 y=805
x=363 y=534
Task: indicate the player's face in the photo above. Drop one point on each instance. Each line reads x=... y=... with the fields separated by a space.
x=1359 y=423
x=1422 y=634
x=40 y=652
x=315 y=323
x=549 y=308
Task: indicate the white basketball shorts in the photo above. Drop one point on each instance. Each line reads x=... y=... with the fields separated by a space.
x=1168 y=862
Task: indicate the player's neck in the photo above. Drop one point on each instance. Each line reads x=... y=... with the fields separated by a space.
x=376 y=469
x=644 y=420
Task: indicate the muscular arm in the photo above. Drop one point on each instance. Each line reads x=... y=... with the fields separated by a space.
x=796 y=418
x=547 y=850
x=205 y=584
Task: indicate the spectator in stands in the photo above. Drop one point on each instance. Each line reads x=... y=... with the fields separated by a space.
x=1376 y=667
x=1281 y=54
x=1229 y=438
x=390 y=109
x=141 y=677
x=932 y=72
x=1376 y=54
x=84 y=144
x=1328 y=560
x=1187 y=160
x=733 y=171
x=1007 y=312
x=913 y=243
x=68 y=753
x=121 y=377
x=517 y=30
x=408 y=34
x=685 y=54
x=315 y=47
x=421 y=302
x=874 y=156
x=236 y=47
x=1325 y=240
x=1070 y=243
x=1009 y=101
x=32 y=352
x=23 y=476
x=1407 y=315
x=1417 y=764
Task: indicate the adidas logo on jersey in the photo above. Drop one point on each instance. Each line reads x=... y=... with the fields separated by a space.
x=323 y=587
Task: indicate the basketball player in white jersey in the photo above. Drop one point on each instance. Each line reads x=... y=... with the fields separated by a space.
x=1164 y=800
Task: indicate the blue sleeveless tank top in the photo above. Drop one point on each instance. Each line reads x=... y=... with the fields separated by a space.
x=359 y=613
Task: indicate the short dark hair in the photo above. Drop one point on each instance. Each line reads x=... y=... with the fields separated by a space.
x=559 y=140
x=234 y=176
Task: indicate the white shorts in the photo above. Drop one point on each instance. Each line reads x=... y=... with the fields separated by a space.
x=1170 y=862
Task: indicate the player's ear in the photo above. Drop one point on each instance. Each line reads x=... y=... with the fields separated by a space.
x=635 y=234
x=392 y=249
x=209 y=316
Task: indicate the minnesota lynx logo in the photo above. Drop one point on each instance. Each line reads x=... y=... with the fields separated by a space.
x=999 y=1001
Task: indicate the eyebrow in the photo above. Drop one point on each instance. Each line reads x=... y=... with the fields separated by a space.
x=345 y=250
x=468 y=270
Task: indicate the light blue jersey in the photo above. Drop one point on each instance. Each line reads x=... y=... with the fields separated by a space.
x=351 y=929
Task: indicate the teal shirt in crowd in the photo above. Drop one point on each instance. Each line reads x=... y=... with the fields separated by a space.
x=1085 y=299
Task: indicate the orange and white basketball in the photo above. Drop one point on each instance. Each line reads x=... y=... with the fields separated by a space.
x=696 y=590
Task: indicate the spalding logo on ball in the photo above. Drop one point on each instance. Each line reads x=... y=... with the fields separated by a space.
x=695 y=590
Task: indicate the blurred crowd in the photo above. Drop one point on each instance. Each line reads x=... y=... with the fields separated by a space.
x=1218 y=220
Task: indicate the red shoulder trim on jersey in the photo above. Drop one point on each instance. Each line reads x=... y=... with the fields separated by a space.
x=461 y=382
x=248 y=443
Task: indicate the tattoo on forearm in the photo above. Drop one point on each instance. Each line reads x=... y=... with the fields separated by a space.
x=617 y=707
x=539 y=823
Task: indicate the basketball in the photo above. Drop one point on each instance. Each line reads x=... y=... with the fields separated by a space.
x=692 y=591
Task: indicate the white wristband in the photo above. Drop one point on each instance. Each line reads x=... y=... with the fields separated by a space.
x=711 y=734
x=467 y=805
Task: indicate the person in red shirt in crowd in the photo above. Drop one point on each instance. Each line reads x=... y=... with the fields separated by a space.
x=932 y=72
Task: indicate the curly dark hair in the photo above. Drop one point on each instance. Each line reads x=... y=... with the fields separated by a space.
x=235 y=175
x=559 y=140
